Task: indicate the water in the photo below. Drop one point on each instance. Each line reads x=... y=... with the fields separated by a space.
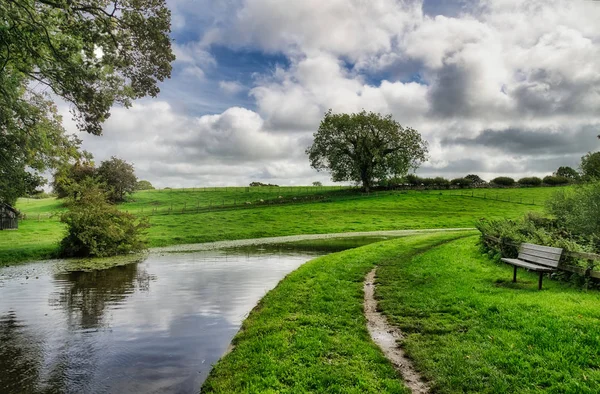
x=155 y=326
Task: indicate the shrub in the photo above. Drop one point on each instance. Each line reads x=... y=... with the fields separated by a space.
x=568 y=172
x=317 y=184
x=477 y=181
x=461 y=182
x=503 y=181
x=578 y=211
x=532 y=228
x=413 y=180
x=555 y=180
x=530 y=181
x=439 y=181
x=143 y=185
x=66 y=179
x=590 y=166
x=96 y=228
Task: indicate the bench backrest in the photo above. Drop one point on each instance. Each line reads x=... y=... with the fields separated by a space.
x=542 y=255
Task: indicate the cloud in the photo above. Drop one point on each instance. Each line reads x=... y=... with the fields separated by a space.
x=231 y=87
x=495 y=86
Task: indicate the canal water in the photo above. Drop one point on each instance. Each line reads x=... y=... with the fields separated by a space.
x=156 y=326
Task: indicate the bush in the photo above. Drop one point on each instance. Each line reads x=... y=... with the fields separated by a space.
x=477 y=181
x=443 y=182
x=503 y=181
x=96 y=228
x=461 y=182
x=578 y=211
x=413 y=180
x=568 y=172
x=67 y=179
x=317 y=184
x=533 y=228
x=555 y=180
x=530 y=181
x=143 y=185
x=590 y=166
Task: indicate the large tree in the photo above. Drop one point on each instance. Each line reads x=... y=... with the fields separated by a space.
x=90 y=53
x=118 y=178
x=365 y=147
x=590 y=166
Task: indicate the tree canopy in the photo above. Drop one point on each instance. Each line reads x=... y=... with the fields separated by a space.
x=590 y=165
x=567 y=172
x=365 y=147
x=119 y=178
x=90 y=53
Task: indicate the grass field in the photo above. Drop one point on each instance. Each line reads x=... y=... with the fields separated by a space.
x=468 y=328
x=222 y=214
x=309 y=334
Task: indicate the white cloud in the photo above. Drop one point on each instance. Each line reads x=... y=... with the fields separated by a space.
x=231 y=87
x=530 y=67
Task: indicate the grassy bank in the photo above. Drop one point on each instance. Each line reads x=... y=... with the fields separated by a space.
x=309 y=334
x=340 y=211
x=472 y=330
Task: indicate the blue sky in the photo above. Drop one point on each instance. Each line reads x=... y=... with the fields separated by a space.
x=253 y=78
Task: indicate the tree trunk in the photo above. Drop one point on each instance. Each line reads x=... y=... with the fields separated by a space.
x=366 y=181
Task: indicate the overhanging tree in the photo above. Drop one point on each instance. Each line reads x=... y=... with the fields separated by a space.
x=365 y=147
x=91 y=53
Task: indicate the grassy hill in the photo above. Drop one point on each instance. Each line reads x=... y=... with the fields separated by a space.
x=214 y=214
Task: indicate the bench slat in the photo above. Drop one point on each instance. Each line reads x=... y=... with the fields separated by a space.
x=538 y=260
x=539 y=253
x=529 y=266
x=542 y=248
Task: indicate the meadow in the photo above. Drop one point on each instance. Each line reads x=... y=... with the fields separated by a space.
x=215 y=214
x=468 y=328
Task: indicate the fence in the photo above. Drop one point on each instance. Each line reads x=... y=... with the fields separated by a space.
x=496 y=197
x=239 y=198
x=591 y=258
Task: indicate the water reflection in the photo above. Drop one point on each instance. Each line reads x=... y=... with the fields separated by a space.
x=155 y=326
x=85 y=295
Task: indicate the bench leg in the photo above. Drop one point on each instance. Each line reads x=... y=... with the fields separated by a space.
x=540 y=282
x=515 y=275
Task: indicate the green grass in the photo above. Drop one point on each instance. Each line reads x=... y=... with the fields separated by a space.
x=471 y=330
x=309 y=334
x=341 y=211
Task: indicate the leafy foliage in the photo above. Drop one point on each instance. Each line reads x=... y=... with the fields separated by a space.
x=555 y=180
x=503 y=181
x=317 y=184
x=143 y=185
x=67 y=178
x=365 y=147
x=568 y=172
x=461 y=182
x=92 y=54
x=578 y=211
x=96 y=228
x=475 y=179
x=590 y=166
x=530 y=181
x=118 y=177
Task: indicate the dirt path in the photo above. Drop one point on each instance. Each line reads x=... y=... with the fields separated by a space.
x=386 y=337
x=293 y=238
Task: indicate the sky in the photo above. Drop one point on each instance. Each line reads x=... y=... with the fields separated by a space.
x=496 y=87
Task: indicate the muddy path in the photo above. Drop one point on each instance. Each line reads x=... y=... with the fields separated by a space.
x=387 y=336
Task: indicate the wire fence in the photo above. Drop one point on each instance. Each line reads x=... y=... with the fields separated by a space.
x=231 y=198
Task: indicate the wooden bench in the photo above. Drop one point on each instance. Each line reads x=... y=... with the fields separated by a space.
x=536 y=258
